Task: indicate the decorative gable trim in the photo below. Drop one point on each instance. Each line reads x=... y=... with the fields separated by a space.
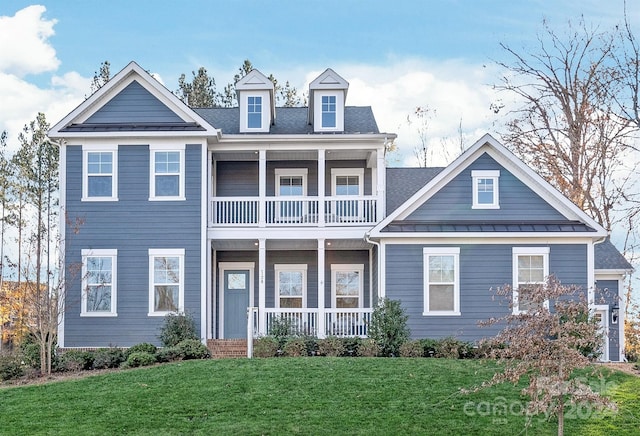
x=132 y=72
x=504 y=157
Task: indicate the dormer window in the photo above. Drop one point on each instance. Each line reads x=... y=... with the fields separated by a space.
x=328 y=111
x=485 y=189
x=254 y=112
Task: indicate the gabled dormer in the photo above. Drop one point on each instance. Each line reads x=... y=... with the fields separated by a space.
x=257 y=103
x=327 y=94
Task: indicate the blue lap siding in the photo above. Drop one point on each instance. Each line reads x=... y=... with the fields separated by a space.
x=483 y=268
x=132 y=225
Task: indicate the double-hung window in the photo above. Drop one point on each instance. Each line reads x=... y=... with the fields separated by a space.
x=328 y=111
x=530 y=270
x=291 y=285
x=291 y=182
x=99 y=283
x=347 y=285
x=441 y=280
x=485 y=189
x=100 y=174
x=254 y=112
x=166 y=279
x=167 y=173
x=348 y=182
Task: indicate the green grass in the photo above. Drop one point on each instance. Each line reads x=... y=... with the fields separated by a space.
x=296 y=396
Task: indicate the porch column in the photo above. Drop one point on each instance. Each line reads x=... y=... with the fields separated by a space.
x=321 y=326
x=262 y=188
x=321 y=184
x=381 y=172
x=262 y=267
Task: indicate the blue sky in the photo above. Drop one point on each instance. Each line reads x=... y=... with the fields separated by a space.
x=396 y=54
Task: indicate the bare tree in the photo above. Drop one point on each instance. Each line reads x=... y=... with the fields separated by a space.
x=100 y=77
x=421 y=117
x=556 y=336
x=567 y=128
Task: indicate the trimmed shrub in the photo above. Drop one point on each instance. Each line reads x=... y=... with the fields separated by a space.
x=192 y=349
x=331 y=346
x=107 y=358
x=411 y=349
x=266 y=346
x=176 y=328
x=76 y=360
x=351 y=346
x=168 y=354
x=30 y=354
x=388 y=327
x=429 y=347
x=143 y=347
x=449 y=348
x=10 y=368
x=368 y=348
x=139 y=358
x=295 y=347
x=311 y=343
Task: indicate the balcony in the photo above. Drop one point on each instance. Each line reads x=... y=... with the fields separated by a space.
x=293 y=211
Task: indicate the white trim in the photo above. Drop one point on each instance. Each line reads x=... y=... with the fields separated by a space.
x=441 y=251
x=527 y=251
x=291 y=172
x=205 y=246
x=113 y=150
x=347 y=267
x=222 y=267
x=166 y=252
x=264 y=114
x=604 y=310
x=113 y=255
x=178 y=148
x=341 y=172
x=494 y=176
x=282 y=267
x=62 y=193
x=317 y=109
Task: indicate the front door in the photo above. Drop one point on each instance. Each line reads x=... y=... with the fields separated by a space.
x=601 y=316
x=236 y=288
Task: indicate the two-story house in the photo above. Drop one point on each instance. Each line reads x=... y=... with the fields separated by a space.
x=247 y=216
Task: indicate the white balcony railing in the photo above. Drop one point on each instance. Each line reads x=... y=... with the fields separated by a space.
x=293 y=211
x=337 y=322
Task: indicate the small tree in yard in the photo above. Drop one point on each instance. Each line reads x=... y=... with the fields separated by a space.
x=388 y=327
x=556 y=336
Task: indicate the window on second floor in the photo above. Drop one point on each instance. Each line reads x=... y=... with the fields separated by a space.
x=100 y=174
x=486 y=189
x=254 y=112
x=167 y=173
x=328 y=111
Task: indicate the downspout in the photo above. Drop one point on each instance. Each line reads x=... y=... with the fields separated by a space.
x=367 y=238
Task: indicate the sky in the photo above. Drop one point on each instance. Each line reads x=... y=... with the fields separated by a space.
x=396 y=55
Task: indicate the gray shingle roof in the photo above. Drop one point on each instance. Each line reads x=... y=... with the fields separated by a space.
x=402 y=183
x=290 y=120
x=607 y=256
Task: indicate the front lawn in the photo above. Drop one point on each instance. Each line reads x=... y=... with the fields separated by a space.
x=299 y=396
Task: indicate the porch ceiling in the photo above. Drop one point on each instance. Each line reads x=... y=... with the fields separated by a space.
x=289 y=244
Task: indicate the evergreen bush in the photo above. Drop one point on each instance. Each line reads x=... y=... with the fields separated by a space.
x=176 y=328
x=388 y=327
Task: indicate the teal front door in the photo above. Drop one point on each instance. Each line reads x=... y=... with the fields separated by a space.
x=236 y=302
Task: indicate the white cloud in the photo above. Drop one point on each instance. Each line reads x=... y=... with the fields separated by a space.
x=25 y=49
x=24 y=45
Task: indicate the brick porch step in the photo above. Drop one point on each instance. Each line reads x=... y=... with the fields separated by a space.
x=224 y=348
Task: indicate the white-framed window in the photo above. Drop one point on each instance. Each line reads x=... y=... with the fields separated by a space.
x=347 y=181
x=441 y=280
x=347 y=285
x=166 y=281
x=99 y=282
x=100 y=174
x=530 y=270
x=167 y=172
x=291 y=285
x=486 y=189
x=254 y=112
x=329 y=111
x=291 y=182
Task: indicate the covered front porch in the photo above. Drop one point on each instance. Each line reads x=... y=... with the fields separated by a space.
x=316 y=287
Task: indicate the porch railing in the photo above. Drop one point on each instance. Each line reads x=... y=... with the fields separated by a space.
x=293 y=211
x=337 y=322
